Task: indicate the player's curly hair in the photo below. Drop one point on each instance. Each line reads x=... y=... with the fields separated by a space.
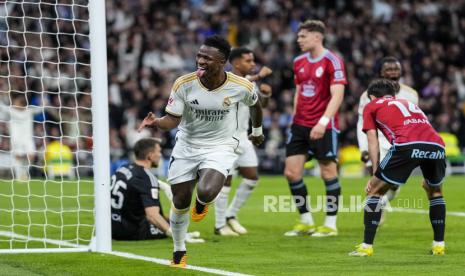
x=144 y=146
x=382 y=87
x=219 y=43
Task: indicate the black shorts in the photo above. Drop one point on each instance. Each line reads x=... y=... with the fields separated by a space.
x=401 y=160
x=129 y=231
x=298 y=142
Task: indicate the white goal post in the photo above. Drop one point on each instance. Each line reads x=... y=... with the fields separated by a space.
x=54 y=129
x=100 y=117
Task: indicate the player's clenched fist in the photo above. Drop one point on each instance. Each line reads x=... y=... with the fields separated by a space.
x=257 y=140
x=264 y=72
x=149 y=121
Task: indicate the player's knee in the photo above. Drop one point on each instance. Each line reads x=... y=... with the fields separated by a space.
x=252 y=176
x=432 y=191
x=207 y=195
x=292 y=174
x=328 y=170
x=249 y=173
x=180 y=203
x=181 y=200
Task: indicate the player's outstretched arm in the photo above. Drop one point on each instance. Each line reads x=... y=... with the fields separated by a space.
x=256 y=115
x=166 y=122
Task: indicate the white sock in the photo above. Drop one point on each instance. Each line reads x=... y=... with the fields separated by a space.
x=243 y=192
x=330 y=221
x=366 y=245
x=179 y=222
x=442 y=243
x=221 y=204
x=391 y=194
x=306 y=218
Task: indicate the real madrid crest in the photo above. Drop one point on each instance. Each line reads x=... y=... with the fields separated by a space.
x=226 y=102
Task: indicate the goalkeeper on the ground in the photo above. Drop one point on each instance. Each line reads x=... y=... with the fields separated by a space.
x=136 y=212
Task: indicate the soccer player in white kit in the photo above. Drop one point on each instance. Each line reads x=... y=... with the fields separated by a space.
x=204 y=106
x=226 y=222
x=21 y=133
x=390 y=68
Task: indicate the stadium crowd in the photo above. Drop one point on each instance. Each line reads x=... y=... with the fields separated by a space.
x=151 y=43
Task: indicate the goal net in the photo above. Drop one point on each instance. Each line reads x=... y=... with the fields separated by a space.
x=47 y=140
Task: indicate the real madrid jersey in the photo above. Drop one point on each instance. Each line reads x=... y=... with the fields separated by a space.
x=209 y=117
x=244 y=118
x=21 y=121
x=243 y=121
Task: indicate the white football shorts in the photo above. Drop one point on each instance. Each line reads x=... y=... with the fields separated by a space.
x=246 y=155
x=186 y=161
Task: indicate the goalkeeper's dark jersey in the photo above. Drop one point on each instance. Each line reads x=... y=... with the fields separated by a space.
x=133 y=188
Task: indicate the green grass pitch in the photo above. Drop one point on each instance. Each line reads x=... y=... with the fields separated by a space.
x=401 y=245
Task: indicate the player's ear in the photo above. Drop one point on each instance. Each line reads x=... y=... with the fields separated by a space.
x=150 y=156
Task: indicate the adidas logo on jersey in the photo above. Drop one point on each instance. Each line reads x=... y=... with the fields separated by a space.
x=302 y=70
x=194 y=102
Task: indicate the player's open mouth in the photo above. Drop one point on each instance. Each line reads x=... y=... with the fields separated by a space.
x=201 y=71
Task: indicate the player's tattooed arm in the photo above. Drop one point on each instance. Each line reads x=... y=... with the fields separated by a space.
x=166 y=122
x=373 y=148
x=256 y=115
